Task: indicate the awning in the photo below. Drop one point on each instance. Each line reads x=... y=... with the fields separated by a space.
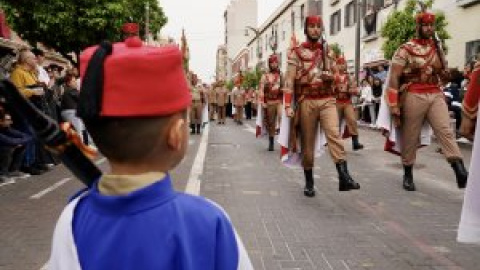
x=376 y=63
x=7 y=43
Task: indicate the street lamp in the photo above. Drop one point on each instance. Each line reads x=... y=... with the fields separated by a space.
x=257 y=35
x=358 y=5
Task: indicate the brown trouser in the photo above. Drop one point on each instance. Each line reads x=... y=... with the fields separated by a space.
x=346 y=110
x=313 y=112
x=431 y=107
x=196 y=112
x=273 y=112
x=221 y=113
x=239 y=113
x=212 y=108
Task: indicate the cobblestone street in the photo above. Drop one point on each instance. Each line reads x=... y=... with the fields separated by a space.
x=381 y=226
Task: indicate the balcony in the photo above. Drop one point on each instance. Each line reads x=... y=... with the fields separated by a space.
x=467 y=3
x=370 y=26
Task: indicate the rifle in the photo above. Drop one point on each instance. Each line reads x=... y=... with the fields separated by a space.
x=51 y=135
x=325 y=52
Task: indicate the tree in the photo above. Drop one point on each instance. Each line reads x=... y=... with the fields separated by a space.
x=400 y=27
x=70 y=26
x=335 y=47
x=252 y=78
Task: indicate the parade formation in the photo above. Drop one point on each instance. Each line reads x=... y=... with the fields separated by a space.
x=135 y=105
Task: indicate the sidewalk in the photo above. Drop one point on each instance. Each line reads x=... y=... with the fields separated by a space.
x=378 y=227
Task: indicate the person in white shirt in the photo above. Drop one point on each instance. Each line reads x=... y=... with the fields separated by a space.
x=366 y=98
x=42 y=73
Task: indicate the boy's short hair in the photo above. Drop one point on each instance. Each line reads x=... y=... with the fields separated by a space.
x=127 y=140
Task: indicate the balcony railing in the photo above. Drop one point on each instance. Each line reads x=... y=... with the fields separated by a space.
x=467 y=3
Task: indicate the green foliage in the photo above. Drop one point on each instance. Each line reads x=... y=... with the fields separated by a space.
x=229 y=85
x=71 y=25
x=400 y=27
x=252 y=78
x=335 y=47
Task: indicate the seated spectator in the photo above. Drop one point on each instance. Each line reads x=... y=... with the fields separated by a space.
x=381 y=74
x=69 y=105
x=452 y=93
x=377 y=90
x=12 y=148
x=366 y=98
x=24 y=77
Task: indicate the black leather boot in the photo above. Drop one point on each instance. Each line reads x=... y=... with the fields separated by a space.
x=356 y=145
x=198 y=128
x=192 y=127
x=460 y=172
x=408 y=184
x=309 y=191
x=270 y=143
x=346 y=182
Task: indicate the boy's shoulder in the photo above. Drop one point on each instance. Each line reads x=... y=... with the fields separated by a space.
x=194 y=205
x=191 y=206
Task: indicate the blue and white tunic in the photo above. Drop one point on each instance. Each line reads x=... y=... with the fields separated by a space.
x=151 y=228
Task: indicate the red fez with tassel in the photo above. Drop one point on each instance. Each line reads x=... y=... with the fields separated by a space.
x=135 y=80
x=313 y=20
x=425 y=17
x=273 y=59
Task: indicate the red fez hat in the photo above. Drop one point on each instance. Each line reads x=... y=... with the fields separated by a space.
x=425 y=17
x=341 y=60
x=273 y=59
x=313 y=19
x=130 y=28
x=135 y=80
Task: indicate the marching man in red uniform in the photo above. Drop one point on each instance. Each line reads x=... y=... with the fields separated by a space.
x=345 y=91
x=418 y=66
x=310 y=103
x=270 y=97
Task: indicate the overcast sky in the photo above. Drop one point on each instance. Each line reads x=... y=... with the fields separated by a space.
x=204 y=27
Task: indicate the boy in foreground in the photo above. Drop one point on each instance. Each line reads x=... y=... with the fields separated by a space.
x=134 y=102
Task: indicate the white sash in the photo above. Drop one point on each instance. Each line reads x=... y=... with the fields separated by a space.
x=469 y=227
x=64 y=252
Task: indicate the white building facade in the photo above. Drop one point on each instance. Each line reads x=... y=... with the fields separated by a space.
x=339 y=18
x=340 y=25
x=222 y=63
x=238 y=15
x=285 y=22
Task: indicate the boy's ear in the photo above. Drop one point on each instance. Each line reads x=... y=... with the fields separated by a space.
x=176 y=134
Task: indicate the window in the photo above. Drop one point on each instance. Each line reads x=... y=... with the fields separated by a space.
x=292 y=19
x=315 y=7
x=266 y=43
x=335 y=22
x=371 y=6
x=302 y=15
x=350 y=14
x=283 y=30
x=473 y=49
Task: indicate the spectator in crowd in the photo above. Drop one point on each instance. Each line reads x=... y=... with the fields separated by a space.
x=366 y=99
x=55 y=87
x=25 y=79
x=249 y=98
x=42 y=74
x=452 y=92
x=69 y=105
x=377 y=89
x=381 y=74
x=13 y=145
